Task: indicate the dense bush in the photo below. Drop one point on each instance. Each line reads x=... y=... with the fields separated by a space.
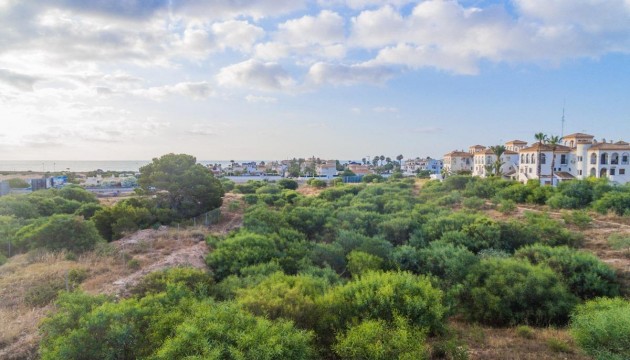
x=288 y=297
x=239 y=251
x=504 y=292
x=602 y=328
x=615 y=201
x=289 y=184
x=379 y=340
x=383 y=296
x=59 y=232
x=198 y=281
x=585 y=275
x=223 y=331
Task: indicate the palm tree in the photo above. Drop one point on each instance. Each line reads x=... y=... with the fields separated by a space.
x=363 y=161
x=498 y=151
x=382 y=157
x=399 y=158
x=553 y=141
x=541 y=139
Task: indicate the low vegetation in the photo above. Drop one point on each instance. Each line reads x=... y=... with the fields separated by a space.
x=376 y=270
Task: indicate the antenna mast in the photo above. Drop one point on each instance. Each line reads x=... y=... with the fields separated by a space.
x=562 y=131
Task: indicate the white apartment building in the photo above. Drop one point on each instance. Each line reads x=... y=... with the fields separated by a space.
x=485 y=159
x=579 y=157
x=412 y=166
x=458 y=161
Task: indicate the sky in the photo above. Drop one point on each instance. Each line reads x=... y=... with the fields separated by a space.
x=337 y=79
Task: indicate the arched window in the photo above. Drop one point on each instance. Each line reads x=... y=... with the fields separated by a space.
x=593 y=158
x=543 y=158
x=625 y=157
x=603 y=159
x=527 y=159
x=522 y=159
x=614 y=159
x=603 y=172
x=593 y=172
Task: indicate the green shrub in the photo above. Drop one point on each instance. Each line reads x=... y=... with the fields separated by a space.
x=223 y=331
x=525 y=332
x=616 y=201
x=133 y=264
x=318 y=183
x=504 y=292
x=579 y=218
x=379 y=340
x=360 y=262
x=602 y=328
x=557 y=345
x=288 y=184
x=383 y=296
x=241 y=250
x=474 y=203
x=17 y=183
x=60 y=232
x=507 y=206
x=284 y=296
x=585 y=275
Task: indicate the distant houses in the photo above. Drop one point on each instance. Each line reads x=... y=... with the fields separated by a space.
x=577 y=156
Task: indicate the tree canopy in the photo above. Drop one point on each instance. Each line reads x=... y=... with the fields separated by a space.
x=181 y=185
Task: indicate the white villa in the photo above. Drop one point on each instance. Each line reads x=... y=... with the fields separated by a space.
x=458 y=161
x=412 y=166
x=577 y=157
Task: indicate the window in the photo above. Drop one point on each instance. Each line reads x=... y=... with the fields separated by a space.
x=604 y=159
x=580 y=172
x=563 y=159
x=522 y=159
x=543 y=158
x=593 y=172
x=622 y=171
x=612 y=171
x=530 y=170
x=593 y=158
x=614 y=159
x=624 y=159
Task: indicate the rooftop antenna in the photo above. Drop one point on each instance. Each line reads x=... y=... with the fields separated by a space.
x=562 y=131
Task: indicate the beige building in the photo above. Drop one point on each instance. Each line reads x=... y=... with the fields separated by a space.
x=458 y=161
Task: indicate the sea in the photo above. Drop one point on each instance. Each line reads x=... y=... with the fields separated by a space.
x=92 y=165
x=87 y=165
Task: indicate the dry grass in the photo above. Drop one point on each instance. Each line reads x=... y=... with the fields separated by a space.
x=505 y=343
x=107 y=273
x=308 y=190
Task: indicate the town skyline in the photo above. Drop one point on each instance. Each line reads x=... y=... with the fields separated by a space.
x=129 y=80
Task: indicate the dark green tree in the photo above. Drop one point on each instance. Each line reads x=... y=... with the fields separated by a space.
x=180 y=184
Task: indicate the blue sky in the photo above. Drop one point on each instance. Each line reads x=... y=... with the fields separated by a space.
x=133 y=79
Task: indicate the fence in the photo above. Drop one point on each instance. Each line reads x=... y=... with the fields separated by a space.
x=209 y=218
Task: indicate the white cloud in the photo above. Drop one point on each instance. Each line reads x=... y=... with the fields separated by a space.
x=260 y=99
x=308 y=37
x=255 y=74
x=336 y=74
x=325 y=28
x=16 y=80
x=195 y=90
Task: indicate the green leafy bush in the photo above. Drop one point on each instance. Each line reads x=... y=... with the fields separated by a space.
x=585 y=275
x=379 y=340
x=240 y=250
x=602 y=328
x=360 y=262
x=383 y=296
x=504 y=292
x=60 y=232
x=285 y=296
